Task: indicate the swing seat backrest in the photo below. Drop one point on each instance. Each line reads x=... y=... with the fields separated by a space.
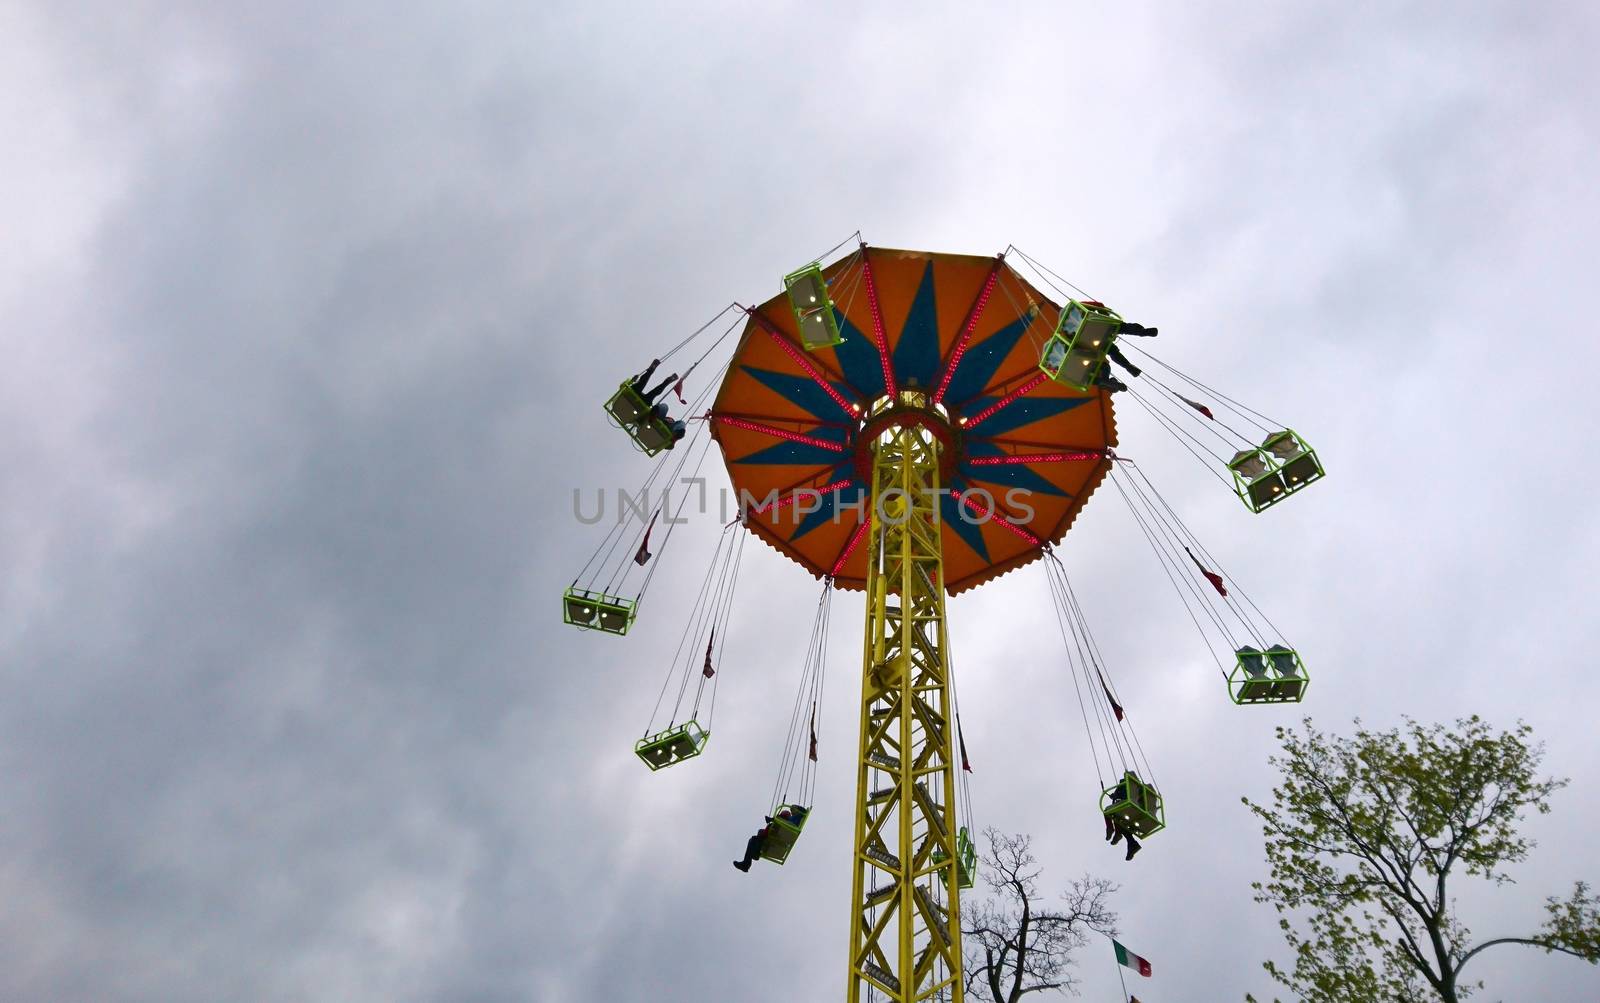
x=588 y=610
x=1269 y=473
x=1266 y=490
x=1248 y=463
x=672 y=746
x=808 y=291
x=627 y=406
x=1253 y=662
x=1302 y=470
x=653 y=435
x=1291 y=685
x=1141 y=812
x=812 y=307
x=1251 y=680
x=966 y=859
x=1071 y=318
x=816 y=328
x=1070 y=366
x=580 y=612
x=1055 y=353
x=1095 y=334
x=615 y=621
x=1285 y=661
x=782 y=833
x=630 y=412
x=1077 y=348
x=1284 y=445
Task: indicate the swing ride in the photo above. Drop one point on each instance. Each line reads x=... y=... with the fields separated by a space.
x=913 y=425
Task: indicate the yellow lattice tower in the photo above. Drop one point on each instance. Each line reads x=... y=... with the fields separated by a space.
x=905 y=932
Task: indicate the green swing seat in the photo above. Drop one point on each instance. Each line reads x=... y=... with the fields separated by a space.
x=629 y=411
x=966 y=858
x=667 y=748
x=1267 y=474
x=783 y=831
x=1276 y=675
x=589 y=610
x=1077 y=349
x=1140 y=809
x=813 y=307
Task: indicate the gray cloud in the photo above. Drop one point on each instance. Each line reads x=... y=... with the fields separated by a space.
x=307 y=316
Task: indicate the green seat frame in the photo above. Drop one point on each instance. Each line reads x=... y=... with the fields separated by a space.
x=673 y=746
x=589 y=610
x=1284 y=464
x=966 y=858
x=782 y=833
x=1077 y=349
x=1142 y=812
x=629 y=411
x=1279 y=677
x=813 y=307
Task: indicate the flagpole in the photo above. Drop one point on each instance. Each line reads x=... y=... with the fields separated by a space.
x=1120 y=979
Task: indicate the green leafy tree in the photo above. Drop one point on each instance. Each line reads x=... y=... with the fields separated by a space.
x=1363 y=836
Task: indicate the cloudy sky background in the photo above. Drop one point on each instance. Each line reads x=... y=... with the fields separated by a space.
x=307 y=311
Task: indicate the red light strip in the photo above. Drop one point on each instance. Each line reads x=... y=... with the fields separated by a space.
x=877 y=327
x=988 y=513
x=966 y=332
x=804 y=363
x=794 y=495
x=781 y=433
x=995 y=461
x=850 y=548
x=1038 y=378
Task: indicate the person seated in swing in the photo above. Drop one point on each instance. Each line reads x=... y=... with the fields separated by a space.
x=1127 y=326
x=752 y=848
x=1106 y=381
x=1103 y=377
x=651 y=435
x=1120 y=832
x=650 y=396
x=1116 y=829
x=1119 y=794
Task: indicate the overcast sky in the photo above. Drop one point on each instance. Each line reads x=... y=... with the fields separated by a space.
x=308 y=310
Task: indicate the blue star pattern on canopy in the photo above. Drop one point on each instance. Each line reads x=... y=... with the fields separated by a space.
x=958 y=336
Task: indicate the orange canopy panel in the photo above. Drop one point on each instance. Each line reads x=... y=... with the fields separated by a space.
x=959 y=336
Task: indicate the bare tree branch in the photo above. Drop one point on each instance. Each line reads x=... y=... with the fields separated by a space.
x=1014 y=945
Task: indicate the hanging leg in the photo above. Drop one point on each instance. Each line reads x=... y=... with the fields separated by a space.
x=1115 y=355
x=650 y=398
x=644 y=377
x=752 y=850
x=1103 y=378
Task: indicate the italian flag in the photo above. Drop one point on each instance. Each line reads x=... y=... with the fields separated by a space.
x=1128 y=959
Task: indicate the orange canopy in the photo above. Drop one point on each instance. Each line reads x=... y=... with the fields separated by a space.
x=959 y=338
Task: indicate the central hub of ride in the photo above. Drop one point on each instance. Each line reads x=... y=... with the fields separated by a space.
x=908 y=408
